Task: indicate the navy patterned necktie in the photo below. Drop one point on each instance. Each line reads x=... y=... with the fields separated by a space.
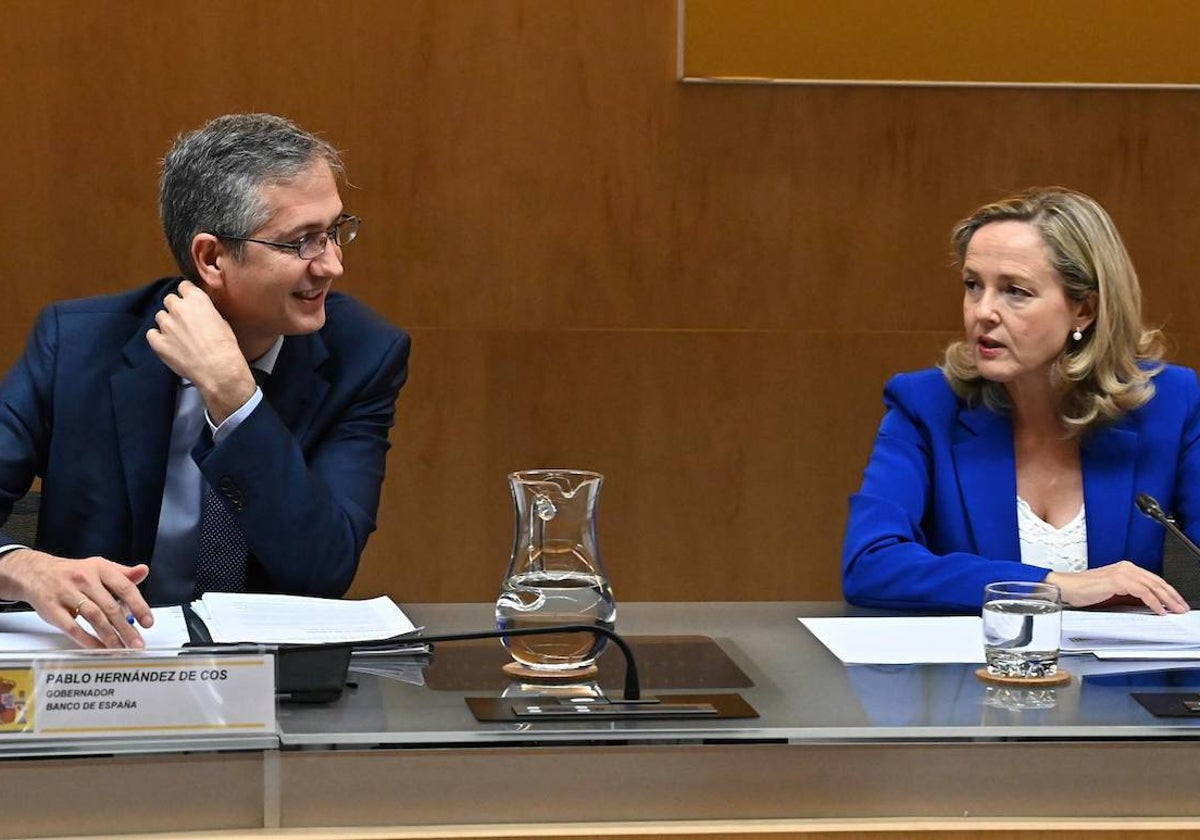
x=221 y=566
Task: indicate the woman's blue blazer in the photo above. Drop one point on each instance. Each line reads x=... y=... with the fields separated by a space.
x=936 y=517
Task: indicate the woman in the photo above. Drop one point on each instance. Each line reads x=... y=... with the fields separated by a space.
x=1020 y=457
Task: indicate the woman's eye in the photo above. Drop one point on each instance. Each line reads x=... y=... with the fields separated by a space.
x=1017 y=291
x=970 y=284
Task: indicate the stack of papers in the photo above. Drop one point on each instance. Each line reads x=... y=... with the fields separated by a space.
x=233 y=618
x=1131 y=635
x=404 y=668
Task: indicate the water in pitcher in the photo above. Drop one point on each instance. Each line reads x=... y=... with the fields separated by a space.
x=544 y=598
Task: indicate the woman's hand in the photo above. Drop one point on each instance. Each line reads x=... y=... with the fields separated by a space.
x=1085 y=589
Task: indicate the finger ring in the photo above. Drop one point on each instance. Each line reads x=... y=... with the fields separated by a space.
x=79 y=606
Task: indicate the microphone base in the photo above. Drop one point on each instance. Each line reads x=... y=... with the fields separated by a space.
x=700 y=707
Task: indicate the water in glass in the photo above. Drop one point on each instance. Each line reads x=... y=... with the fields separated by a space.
x=1021 y=636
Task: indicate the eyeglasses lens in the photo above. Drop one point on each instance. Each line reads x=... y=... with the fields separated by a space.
x=347 y=230
x=343 y=233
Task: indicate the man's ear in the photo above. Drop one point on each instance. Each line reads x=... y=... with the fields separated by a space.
x=208 y=256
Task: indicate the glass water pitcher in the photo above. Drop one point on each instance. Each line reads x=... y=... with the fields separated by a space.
x=555 y=575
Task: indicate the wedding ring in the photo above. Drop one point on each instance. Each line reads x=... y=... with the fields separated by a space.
x=78 y=606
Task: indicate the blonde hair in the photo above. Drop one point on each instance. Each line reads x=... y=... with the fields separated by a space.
x=1107 y=372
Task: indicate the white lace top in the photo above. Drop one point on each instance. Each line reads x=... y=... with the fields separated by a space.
x=1057 y=549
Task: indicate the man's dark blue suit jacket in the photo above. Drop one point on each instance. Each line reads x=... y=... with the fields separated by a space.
x=89 y=408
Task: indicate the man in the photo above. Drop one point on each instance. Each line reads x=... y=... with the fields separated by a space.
x=164 y=464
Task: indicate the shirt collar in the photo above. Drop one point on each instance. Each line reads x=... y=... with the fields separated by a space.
x=266 y=362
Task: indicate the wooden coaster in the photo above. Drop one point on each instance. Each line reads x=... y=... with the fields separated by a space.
x=1061 y=677
x=515 y=669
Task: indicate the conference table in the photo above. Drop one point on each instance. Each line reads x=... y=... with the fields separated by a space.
x=844 y=749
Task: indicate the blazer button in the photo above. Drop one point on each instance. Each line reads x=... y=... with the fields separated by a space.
x=232 y=492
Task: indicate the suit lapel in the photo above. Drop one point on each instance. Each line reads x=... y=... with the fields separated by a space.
x=295 y=388
x=987 y=478
x=1108 y=458
x=143 y=395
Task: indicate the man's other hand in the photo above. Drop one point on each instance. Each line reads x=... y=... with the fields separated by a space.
x=194 y=340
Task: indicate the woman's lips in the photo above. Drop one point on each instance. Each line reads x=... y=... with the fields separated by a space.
x=988 y=348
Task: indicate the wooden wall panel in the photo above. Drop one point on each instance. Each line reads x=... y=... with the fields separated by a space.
x=698 y=290
x=728 y=456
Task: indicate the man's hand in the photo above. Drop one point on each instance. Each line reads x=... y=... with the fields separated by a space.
x=104 y=593
x=198 y=344
x=1084 y=589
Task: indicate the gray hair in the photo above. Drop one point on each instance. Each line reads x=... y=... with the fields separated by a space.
x=212 y=178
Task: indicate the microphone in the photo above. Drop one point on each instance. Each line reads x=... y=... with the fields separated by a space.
x=633 y=692
x=315 y=672
x=1149 y=506
x=500 y=710
x=633 y=705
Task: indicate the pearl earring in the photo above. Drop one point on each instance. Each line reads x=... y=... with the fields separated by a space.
x=1077 y=335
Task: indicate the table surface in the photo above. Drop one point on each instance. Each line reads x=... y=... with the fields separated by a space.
x=927 y=741
x=801 y=691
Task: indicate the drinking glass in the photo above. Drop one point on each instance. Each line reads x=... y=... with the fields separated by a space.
x=1022 y=629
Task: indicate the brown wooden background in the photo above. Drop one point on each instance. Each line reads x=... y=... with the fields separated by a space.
x=697 y=290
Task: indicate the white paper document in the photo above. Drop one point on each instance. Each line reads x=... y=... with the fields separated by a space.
x=26 y=631
x=914 y=640
x=901 y=640
x=1130 y=632
x=288 y=619
x=232 y=618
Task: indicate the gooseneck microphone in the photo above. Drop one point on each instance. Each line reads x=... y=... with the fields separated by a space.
x=501 y=710
x=1149 y=506
x=633 y=692
x=316 y=672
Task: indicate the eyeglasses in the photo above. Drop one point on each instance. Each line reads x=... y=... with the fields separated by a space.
x=311 y=245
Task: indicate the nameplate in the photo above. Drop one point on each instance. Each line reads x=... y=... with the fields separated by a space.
x=97 y=696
